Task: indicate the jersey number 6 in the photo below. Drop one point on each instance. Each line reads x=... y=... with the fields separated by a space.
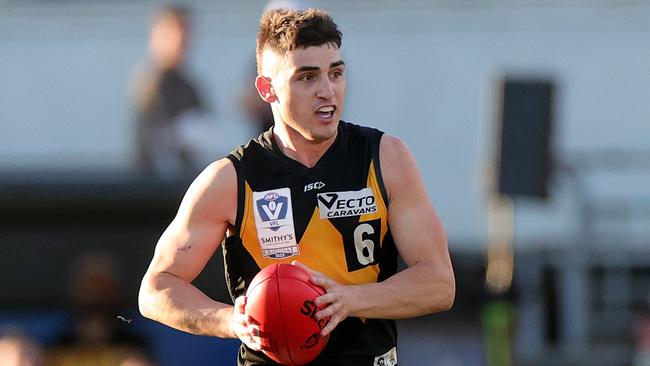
x=365 y=245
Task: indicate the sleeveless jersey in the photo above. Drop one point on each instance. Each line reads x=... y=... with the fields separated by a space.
x=332 y=217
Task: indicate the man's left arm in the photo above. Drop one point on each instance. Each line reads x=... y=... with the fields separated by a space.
x=427 y=285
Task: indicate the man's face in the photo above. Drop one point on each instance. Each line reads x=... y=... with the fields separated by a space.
x=309 y=84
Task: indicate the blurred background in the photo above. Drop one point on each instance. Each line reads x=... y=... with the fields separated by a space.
x=530 y=121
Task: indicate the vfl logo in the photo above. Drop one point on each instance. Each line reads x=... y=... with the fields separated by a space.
x=272 y=207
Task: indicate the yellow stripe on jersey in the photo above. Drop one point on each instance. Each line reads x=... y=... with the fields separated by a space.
x=382 y=211
x=248 y=232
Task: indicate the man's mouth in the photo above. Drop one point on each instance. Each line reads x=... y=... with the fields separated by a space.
x=326 y=111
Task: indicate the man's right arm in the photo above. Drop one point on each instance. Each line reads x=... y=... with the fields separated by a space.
x=166 y=293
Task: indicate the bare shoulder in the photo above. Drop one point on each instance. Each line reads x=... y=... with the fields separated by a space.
x=213 y=193
x=393 y=152
x=218 y=173
x=391 y=144
x=398 y=166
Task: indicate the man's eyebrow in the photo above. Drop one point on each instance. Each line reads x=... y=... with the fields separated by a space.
x=307 y=68
x=316 y=68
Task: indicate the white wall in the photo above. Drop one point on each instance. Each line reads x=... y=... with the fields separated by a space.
x=421 y=70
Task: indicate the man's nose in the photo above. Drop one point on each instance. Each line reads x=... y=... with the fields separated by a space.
x=325 y=88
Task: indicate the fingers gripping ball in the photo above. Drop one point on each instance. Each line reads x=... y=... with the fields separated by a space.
x=281 y=299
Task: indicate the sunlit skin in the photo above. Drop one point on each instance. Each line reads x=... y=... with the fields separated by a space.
x=306 y=90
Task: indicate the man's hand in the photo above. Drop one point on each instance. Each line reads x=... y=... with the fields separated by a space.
x=244 y=327
x=340 y=298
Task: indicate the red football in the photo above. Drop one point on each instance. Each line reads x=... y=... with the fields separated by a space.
x=281 y=299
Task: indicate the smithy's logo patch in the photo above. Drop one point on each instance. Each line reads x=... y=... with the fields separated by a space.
x=349 y=203
x=274 y=223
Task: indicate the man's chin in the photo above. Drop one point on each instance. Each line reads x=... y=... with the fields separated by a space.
x=323 y=134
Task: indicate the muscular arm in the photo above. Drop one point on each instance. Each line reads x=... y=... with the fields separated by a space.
x=427 y=285
x=166 y=293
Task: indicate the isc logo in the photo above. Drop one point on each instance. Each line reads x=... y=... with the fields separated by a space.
x=315 y=185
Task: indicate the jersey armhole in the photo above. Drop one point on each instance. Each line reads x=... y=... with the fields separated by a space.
x=240 y=192
x=377 y=163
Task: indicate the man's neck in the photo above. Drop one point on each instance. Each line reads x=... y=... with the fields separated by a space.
x=292 y=144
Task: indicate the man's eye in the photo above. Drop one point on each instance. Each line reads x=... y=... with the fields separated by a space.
x=306 y=77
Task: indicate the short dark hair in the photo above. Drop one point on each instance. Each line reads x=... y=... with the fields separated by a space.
x=283 y=30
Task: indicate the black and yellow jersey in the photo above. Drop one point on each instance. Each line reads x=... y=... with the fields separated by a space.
x=332 y=217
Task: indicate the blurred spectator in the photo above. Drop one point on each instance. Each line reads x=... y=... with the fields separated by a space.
x=18 y=349
x=171 y=114
x=100 y=334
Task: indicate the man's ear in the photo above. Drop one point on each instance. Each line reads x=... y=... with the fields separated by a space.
x=265 y=89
